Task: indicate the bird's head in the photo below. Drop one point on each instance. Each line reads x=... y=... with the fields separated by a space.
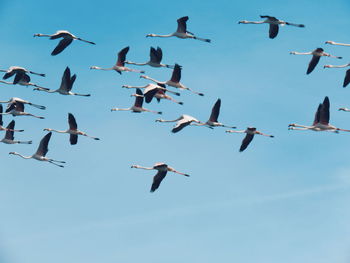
x=36 y=35
x=150 y=35
x=329 y=42
x=47 y=129
x=242 y=22
x=12 y=153
x=93 y=67
x=158 y=120
x=143 y=76
x=326 y=66
x=342 y=109
x=134 y=166
x=291 y=125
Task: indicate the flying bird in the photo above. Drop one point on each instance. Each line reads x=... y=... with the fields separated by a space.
x=67 y=39
x=181 y=122
x=17 y=109
x=181 y=31
x=2 y=123
x=9 y=136
x=162 y=169
x=174 y=81
x=23 y=81
x=316 y=55
x=347 y=73
x=213 y=119
x=337 y=44
x=151 y=91
x=73 y=130
x=12 y=100
x=344 y=109
x=40 y=154
x=156 y=56
x=250 y=132
x=321 y=120
x=19 y=73
x=137 y=107
x=66 y=85
x=274 y=24
x=120 y=65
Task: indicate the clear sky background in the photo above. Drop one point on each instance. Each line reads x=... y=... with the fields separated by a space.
x=282 y=200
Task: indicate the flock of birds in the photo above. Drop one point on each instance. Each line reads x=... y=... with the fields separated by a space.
x=157 y=89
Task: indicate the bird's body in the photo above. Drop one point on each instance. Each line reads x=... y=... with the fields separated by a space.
x=120 y=65
x=347 y=73
x=162 y=169
x=181 y=122
x=174 y=81
x=151 y=91
x=156 y=56
x=181 y=31
x=274 y=24
x=66 y=85
x=73 y=130
x=316 y=55
x=67 y=39
x=9 y=136
x=321 y=120
x=137 y=107
x=250 y=132
x=41 y=152
x=17 y=109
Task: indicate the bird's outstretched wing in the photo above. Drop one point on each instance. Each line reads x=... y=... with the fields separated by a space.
x=122 y=56
x=181 y=24
x=347 y=78
x=71 y=121
x=73 y=138
x=9 y=131
x=324 y=112
x=273 y=31
x=176 y=76
x=65 y=42
x=215 y=111
x=43 y=146
x=246 y=141
x=157 y=179
x=313 y=63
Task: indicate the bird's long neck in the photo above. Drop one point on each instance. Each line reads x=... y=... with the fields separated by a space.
x=142 y=167
x=55 y=131
x=339 y=44
x=95 y=67
x=300 y=53
x=339 y=66
x=41 y=35
x=5 y=82
x=251 y=22
x=23 y=142
x=155 y=35
x=135 y=63
x=119 y=109
x=20 y=155
x=151 y=79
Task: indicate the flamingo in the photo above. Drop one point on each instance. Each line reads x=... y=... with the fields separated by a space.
x=347 y=74
x=316 y=55
x=19 y=72
x=162 y=169
x=24 y=81
x=12 y=100
x=67 y=39
x=158 y=91
x=2 y=123
x=66 y=85
x=181 y=31
x=321 y=120
x=174 y=81
x=273 y=22
x=181 y=122
x=9 y=136
x=337 y=44
x=73 y=130
x=250 y=131
x=156 y=56
x=120 y=65
x=137 y=107
x=17 y=109
x=213 y=119
x=344 y=109
x=41 y=152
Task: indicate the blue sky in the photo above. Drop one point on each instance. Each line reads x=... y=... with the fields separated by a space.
x=283 y=199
